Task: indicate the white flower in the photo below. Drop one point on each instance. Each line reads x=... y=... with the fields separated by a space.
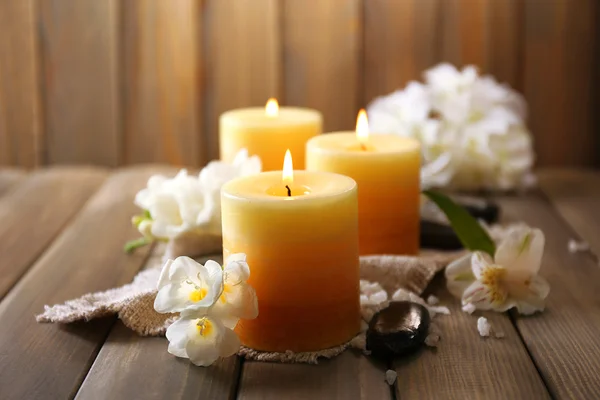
x=186 y=203
x=238 y=299
x=202 y=339
x=174 y=206
x=510 y=280
x=217 y=173
x=471 y=128
x=185 y=284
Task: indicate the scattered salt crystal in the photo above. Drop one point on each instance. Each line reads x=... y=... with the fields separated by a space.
x=432 y=339
x=440 y=310
x=390 y=376
x=499 y=335
x=432 y=300
x=469 y=308
x=483 y=326
x=575 y=246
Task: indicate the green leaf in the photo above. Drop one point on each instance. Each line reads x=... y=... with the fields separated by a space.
x=469 y=231
x=135 y=243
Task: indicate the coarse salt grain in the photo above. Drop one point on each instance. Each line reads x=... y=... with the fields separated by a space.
x=575 y=246
x=483 y=326
x=432 y=340
x=390 y=376
x=469 y=308
x=432 y=300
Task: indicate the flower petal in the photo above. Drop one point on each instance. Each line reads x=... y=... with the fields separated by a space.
x=459 y=276
x=230 y=343
x=164 y=277
x=479 y=262
x=177 y=333
x=530 y=298
x=521 y=251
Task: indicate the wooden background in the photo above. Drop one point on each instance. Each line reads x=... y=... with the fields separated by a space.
x=112 y=82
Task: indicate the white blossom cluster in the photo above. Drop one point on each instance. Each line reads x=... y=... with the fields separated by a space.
x=471 y=128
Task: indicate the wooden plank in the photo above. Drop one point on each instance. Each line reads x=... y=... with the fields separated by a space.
x=563 y=340
x=133 y=367
x=466 y=365
x=402 y=39
x=20 y=119
x=505 y=20
x=575 y=193
x=485 y=33
x=126 y=360
x=161 y=82
x=47 y=360
x=35 y=212
x=347 y=376
x=322 y=58
x=560 y=92
x=79 y=53
x=241 y=55
x=9 y=178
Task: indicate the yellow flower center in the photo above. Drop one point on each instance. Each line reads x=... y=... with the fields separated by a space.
x=227 y=288
x=204 y=327
x=198 y=294
x=492 y=278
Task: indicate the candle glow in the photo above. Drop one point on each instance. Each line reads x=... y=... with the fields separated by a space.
x=272 y=108
x=362 y=127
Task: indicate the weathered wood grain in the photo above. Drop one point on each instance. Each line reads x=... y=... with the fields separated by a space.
x=576 y=196
x=9 y=178
x=47 y=360
x=161 y=82
x=79 y=80
x=133 y=367
x=20 y=117
x=563 y=340
x=486 y=33
x=322 y=59
x=241 y=59
x=466 y=365
x=126 y=360
x=34 y=213
x=347 y=376
x=558 y=79
x=401 y=40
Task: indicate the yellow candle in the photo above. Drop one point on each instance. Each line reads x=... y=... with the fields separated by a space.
x=300 y=234
x=386 y=169
x=268 y=132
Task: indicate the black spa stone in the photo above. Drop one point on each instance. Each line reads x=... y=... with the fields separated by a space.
x=399 y=329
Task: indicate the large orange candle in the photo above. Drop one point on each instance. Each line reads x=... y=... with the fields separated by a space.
x=300 y=234
x=386 y=169
x=267 y=132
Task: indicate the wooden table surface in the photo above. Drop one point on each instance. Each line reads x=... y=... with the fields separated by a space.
x=61 y=235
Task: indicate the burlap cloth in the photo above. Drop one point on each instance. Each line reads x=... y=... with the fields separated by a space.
x=381 y=277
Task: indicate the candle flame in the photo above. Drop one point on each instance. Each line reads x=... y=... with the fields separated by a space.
x=288 y=168
x=362 y=127
x=272 y=108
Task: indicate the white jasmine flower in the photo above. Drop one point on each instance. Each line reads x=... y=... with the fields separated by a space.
x=238 y=298
x=185 y=285
x=173 y=206
x=509 y=280
x=201 y=339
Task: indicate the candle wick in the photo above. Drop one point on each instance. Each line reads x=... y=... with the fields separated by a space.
x=362 y=146
x=289 y=190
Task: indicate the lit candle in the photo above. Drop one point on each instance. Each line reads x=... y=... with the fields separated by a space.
x=386 y=169
x=268 y=132
x=299 y=230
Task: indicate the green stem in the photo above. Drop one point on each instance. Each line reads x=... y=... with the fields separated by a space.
x=135 y=243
